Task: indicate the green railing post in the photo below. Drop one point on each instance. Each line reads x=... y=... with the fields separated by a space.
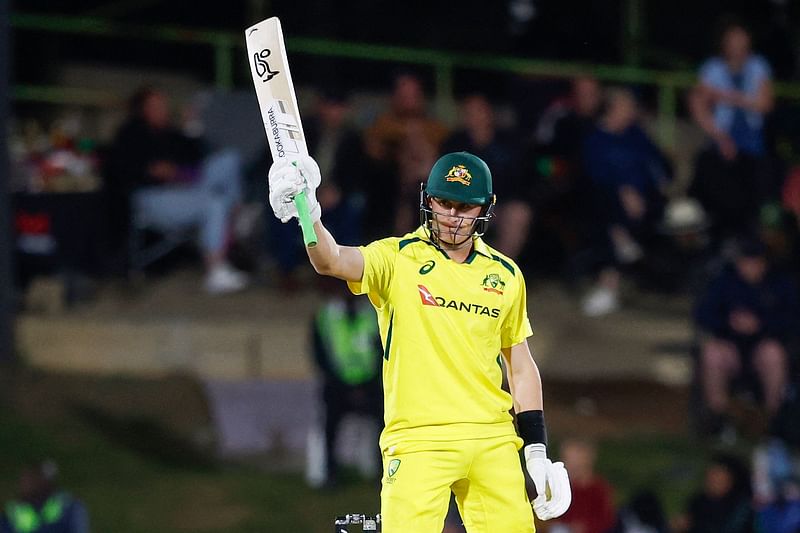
x=667 y=113
x=445 y=99
x=224 y=45
x=632 y=34
x=223 y=63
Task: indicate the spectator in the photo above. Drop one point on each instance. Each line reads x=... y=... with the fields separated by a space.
x=566 y=123
x=627 y=172
x=678 y=262
x=789 y=234
x=734 y=93
x=337 y=148
x=170 y=183
x=783 y=514
x=481 y=137
x=745 y=317
x=348 y=356
x=723 y=505
x=592 y=508
x=562 y=196
x=643 y=514
x=42 y=507
x=773 y=473
x=402 y=146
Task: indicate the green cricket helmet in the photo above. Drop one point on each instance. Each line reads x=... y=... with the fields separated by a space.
x=459 y=177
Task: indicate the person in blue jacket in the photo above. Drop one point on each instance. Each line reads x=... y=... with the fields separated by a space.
x=628 y=173
x=746 y=317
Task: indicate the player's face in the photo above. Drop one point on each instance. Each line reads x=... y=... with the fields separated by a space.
x=453 y=221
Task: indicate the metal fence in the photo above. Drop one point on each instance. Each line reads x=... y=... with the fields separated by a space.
x=225 y=45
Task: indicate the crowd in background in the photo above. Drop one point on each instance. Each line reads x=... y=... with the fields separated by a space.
x=585 y=194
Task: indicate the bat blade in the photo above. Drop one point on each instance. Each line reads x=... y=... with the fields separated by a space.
x=272 y=80
x=280 y=114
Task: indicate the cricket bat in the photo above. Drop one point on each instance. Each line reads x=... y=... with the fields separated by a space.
x=269 y=66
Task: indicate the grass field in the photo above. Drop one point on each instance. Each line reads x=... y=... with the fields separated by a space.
x=137 y=477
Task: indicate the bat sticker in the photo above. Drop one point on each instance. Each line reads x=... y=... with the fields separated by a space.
x=262 y=67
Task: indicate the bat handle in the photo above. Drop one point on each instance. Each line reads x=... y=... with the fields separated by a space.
x=303 y=215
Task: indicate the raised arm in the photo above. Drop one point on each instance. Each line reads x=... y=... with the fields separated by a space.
x=331 y=259
x=286 y=180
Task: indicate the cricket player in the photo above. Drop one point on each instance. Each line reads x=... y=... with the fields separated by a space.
x=452 y=314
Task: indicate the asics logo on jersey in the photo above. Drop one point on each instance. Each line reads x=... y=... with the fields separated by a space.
x=438 y=301
x=427 y=267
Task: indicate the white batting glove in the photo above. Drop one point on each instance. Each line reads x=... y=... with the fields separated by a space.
x=553 y=493
x=287 y=179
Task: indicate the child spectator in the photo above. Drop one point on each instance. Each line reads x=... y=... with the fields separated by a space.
x=723 y=504
x=592 y=508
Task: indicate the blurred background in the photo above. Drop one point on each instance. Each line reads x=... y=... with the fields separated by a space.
x=169 y=361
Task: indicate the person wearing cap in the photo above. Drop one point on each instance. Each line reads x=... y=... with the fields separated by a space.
x=747 y=314
x=452 y=315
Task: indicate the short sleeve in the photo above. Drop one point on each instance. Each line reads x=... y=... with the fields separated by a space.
x=712 y=73
x=516 y=326
x=760 y=69
x=379 y=260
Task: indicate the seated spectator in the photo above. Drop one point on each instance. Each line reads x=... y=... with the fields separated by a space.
x=773 y=472
x=566 y=123
x=745 y=317
x=723 y=504
x=592 y=507
x=782 y=515
x=348 y=356
x=642 y=514
x=678 y=262
x=789 y=235
x=171 y=183
x=562 y=193
x=481 y=137
x=734 y=93
x=401 y=145
x=628 y=173
x=41 y=506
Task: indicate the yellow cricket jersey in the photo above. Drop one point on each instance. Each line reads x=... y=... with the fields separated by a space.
x=442 y=325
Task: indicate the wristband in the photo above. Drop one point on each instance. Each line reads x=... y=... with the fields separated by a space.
x=530 y=425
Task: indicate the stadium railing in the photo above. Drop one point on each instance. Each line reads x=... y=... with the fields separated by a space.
x=225 y=45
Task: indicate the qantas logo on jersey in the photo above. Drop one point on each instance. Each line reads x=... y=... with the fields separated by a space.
x=437 y=301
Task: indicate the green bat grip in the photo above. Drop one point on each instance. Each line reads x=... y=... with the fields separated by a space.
x=309 y=235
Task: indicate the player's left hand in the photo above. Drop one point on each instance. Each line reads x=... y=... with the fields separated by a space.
x=553 y=493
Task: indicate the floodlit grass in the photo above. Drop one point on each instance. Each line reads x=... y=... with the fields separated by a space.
x=128 y=491
x=669 y=466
